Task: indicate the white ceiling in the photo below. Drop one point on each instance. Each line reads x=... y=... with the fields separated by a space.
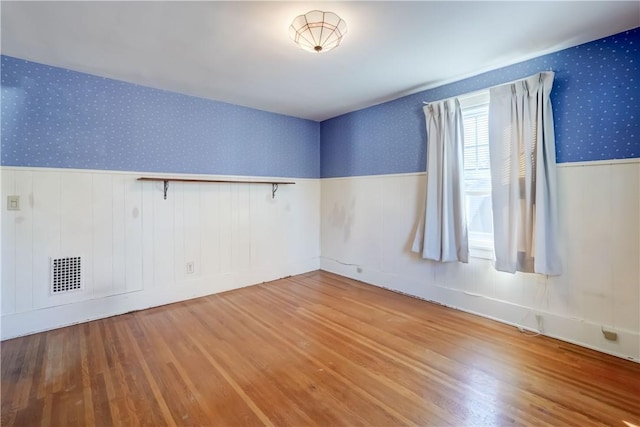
x=239 y=52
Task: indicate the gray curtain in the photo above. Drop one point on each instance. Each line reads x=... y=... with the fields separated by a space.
x=523 y=176
x=442 y=231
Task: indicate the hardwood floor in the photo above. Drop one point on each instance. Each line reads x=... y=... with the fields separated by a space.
x=314 y=349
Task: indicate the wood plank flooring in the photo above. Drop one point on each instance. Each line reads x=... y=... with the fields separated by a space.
x=314 y=349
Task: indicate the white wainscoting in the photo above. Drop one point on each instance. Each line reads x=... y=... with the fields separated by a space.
x=135 y=245
x=368 y=225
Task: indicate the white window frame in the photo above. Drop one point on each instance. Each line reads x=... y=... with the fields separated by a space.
x=478 y=248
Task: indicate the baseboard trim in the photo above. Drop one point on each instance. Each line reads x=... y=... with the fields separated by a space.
x=569 y=329
x=30 y=322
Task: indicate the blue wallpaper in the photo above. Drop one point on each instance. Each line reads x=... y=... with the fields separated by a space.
x=596 y=101
x=52 y=117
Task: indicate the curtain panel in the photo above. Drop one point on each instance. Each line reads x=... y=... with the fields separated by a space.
x=523 y=176
x=442 y=230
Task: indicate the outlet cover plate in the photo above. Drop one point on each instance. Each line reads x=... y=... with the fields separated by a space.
x=191 y=267
x=13 y=203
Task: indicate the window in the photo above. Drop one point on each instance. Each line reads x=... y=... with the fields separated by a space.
x=477 y=174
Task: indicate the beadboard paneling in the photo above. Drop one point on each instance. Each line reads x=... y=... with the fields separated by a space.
x=133 y=242
x=368 y=225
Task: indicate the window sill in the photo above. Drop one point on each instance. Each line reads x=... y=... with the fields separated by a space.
x=481 y=252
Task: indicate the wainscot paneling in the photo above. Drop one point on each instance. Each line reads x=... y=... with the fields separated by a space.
x=136 y=245
x=368 y=225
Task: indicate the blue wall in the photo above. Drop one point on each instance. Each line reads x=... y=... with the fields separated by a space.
x=52 y=117
x=596 y=101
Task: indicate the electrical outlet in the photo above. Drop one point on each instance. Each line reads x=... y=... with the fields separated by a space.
x=610 y=335
x=13 y=203
x=191 y=268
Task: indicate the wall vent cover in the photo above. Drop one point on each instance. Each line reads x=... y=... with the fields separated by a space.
x=66 y=274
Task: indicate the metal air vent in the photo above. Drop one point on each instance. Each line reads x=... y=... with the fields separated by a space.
x=66 y=274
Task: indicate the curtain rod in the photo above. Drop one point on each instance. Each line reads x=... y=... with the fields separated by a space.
x=475 y=92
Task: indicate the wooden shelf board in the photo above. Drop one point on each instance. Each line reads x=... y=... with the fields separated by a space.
x=150 y=178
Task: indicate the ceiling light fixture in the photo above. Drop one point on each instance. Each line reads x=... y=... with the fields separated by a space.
x=318 y=31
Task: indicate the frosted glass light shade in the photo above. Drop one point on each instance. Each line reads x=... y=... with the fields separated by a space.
x=317 y=31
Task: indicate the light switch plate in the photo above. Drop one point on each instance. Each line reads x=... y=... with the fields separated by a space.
x=13 y=203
